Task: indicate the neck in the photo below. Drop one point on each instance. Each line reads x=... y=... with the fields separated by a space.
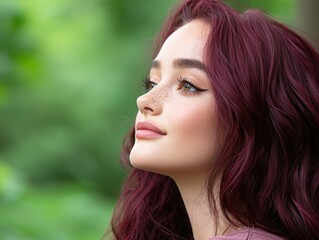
x=204 y=224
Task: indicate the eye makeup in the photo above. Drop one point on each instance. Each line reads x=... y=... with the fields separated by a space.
x=185 y=84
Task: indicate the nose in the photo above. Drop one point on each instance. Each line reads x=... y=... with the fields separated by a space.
x=150 y=103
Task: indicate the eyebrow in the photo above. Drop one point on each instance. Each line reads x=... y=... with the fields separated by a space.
x=182 y=63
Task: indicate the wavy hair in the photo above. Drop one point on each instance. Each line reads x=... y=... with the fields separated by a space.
x=265 y=80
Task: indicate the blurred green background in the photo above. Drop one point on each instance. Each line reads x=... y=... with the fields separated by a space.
x=70 y=71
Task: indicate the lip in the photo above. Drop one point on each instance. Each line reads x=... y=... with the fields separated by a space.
x=146 y=130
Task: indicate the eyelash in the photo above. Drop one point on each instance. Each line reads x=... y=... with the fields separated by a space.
x=185 y=81
x=149 y=85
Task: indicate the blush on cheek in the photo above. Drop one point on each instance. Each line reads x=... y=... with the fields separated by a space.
x=195 y=121
x=196 y=133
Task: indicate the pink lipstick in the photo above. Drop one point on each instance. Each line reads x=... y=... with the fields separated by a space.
x=146 y=130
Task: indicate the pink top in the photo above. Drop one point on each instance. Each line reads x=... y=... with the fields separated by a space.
x=248 y=234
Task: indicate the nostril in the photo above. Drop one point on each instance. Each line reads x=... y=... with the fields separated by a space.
x=148 y=109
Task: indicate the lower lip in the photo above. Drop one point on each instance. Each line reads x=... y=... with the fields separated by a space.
x=147 y=134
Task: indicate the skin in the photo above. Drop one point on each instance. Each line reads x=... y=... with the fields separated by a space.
x=187 y=118
x=185 y=115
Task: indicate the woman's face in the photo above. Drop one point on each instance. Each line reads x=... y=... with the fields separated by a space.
x=176 y=130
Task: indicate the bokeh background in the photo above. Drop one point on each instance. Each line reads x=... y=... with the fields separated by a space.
x=70 y=71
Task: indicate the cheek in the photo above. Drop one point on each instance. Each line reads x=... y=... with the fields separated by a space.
x=196 y=130
x=194 y=121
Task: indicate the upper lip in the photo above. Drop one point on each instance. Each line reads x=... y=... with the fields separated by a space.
x=149 y=126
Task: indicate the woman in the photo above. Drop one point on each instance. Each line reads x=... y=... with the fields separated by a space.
x=226 y=140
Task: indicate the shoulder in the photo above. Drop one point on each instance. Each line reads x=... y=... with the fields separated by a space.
x=248 y=234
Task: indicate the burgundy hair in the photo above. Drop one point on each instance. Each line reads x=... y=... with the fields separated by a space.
x=266 y=85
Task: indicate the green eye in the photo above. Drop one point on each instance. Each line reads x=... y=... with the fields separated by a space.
x=188 y=87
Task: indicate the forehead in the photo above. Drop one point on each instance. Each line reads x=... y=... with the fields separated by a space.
x=186 y=42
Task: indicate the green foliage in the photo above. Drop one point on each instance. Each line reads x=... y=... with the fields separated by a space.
x=18 y=63
x=57 y=212
x=70 y=124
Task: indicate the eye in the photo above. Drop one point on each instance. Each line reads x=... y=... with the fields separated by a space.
x=148 y=84
x=186 y=86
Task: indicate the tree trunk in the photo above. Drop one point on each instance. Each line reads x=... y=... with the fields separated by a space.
x=308 y=20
